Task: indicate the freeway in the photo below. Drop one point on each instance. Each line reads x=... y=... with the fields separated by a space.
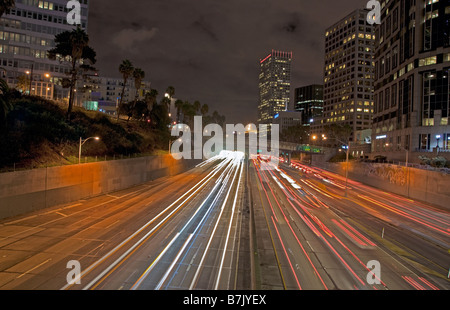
x=322 y=239
x=231 y=223
x=176 y=233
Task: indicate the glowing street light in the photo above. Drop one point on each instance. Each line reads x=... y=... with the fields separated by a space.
x=82 y=142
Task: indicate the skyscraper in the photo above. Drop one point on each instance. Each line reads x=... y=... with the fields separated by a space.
x=309 y=101
x=26 y=34
x=412 y=91
x=348 y=74
x=274 y=86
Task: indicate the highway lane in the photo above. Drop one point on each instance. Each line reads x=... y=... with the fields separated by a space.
x=136 y=238
x=416 y=232
x=198 y=248
x=35 y=248
x=324 y=240
x=232 y=224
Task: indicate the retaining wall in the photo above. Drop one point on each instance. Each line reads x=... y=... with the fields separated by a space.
x=26 y=191
x=424 y=185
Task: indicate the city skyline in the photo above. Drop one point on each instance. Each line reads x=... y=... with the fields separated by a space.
x=213 y=47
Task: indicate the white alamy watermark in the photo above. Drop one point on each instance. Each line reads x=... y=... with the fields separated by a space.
x=74 y=275
x=74 y=15
x=374 y=275
x=191 y=144
x=374 y=16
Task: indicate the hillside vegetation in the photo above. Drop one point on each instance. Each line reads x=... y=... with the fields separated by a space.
x=35 y=133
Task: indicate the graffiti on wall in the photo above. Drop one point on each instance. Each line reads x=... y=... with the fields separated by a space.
x=394 y=174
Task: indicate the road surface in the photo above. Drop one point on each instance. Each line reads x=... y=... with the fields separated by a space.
x=313 y=236
x=231 y=224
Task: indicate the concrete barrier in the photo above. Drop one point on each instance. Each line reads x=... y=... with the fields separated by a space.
x=25 y=191
x=424 y=185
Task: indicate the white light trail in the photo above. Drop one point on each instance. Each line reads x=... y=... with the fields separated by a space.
x=87 y=270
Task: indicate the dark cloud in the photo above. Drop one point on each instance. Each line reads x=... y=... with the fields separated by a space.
x=209 y=50
x=293 y=23
x=206 y=27
x=129 y=40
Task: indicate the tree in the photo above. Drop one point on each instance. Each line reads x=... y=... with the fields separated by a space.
x=218 y=119
x=126 y=69
x=141 y=111
x=170 y=91
x=6 y=5
x=188 y=114
x=338 y=133
x=295 y=134
x=204 y=109
x=160 y=118
x=150 y=99
x=197 y=107
x=23 y=83
x=138 y=75
x=73 y=47
x=5 y=102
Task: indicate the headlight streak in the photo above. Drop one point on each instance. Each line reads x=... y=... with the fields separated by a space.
x=149 y=269
x=216 y=198
x=91 y=267
x=229 y=227
x=194 y=280
x=232 y=161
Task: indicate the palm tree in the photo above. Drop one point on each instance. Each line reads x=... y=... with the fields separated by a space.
x=126 y=69
x=204 y=109
x=170 y=91
x=197 y=107
x=6 y=5
x=188 y=113
x=73 y=47
x=138 y=75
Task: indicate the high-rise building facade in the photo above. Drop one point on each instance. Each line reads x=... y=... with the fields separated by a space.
x=309 y=101
x=27 y=32
x=412 y=97
x=274 y=86
x=348 y=74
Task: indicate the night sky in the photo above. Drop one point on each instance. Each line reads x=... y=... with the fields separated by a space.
x=209 y=50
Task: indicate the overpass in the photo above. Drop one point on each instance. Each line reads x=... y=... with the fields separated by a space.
x=288 y=148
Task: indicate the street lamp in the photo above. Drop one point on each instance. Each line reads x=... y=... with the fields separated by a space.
x=438 y=137
x=347 y=154
x=82 y=142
